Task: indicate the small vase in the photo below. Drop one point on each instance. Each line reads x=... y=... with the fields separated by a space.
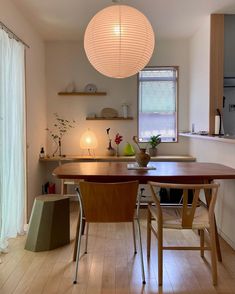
x=60 y=153
x=153 y=152
x=117 y=151
x=110 y=150
x=142 y=158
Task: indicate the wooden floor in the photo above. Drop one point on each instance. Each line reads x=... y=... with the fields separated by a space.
x=111 y=267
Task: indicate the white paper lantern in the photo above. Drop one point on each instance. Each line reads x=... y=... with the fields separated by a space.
x=119 y=41
x=88 y=140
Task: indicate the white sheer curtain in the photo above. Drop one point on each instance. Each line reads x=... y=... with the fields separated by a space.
x=12 y=138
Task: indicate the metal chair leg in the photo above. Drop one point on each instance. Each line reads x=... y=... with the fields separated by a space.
x=79 y=240
x=87 y=229
x=141 y=252
x=134 y=237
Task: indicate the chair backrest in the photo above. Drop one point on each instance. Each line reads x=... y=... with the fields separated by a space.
x=109 y=202
x=187 y=210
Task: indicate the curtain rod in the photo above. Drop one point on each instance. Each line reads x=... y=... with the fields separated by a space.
x=11 y=34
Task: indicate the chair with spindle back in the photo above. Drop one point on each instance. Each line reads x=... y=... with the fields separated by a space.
x=108 y=203
x=188 y=216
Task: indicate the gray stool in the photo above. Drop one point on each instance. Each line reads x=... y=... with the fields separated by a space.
x=49 y=225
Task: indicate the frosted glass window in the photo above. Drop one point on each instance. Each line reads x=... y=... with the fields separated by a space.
x=157 y=103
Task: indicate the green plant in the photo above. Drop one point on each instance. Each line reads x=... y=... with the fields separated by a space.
x=154 y=141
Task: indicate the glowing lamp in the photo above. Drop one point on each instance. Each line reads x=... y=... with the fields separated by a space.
x=88 y=141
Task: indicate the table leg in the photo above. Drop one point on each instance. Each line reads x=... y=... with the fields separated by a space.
x=208 y=200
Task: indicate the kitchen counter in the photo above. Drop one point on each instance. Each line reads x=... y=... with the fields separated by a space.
x=225 y=139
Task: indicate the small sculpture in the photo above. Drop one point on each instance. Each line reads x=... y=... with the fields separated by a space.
x=110 y=150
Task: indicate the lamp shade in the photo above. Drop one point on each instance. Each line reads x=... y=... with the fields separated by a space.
x=119 y=41
x=88 y=140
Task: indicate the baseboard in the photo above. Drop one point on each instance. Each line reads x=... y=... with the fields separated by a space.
x=226 y=238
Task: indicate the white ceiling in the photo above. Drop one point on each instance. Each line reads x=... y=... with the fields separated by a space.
x=67 y=19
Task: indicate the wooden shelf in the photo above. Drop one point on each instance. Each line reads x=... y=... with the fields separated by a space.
x=80 y=158
x=82 y=93
x=109 y=118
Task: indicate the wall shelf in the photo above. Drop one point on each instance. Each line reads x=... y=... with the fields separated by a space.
x=82 y=93
x=109 y=118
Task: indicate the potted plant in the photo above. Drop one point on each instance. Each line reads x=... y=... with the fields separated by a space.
x=154 y=142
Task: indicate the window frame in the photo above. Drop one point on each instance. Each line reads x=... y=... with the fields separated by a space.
x=155 y=67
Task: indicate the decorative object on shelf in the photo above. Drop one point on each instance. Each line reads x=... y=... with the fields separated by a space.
x=128 y=150
x=119 y=41
x=42 y=153
x=109 y=112
x=110 y=150
x=70 y=88
x=218 y=124
x=154 y=142
x=90 y=88
x=91 y=115
x=118 y=139
x=141 y=157
x=60 y=128
x=125 y=108
x=89 y=141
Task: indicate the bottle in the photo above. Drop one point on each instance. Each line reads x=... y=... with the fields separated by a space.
x=218 y=123
x=42 y=153
x=125 y=110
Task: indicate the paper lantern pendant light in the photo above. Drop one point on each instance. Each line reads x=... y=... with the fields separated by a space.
x=119 y=41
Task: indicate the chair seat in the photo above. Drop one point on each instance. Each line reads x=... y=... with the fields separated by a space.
x=172 y=218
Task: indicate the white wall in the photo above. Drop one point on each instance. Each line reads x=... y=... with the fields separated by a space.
x=199 y=78
x=35 y=91
x=66 y=62
x=210 y=151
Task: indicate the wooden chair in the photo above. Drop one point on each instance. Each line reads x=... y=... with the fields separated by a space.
x=106 y=203
x=193 y=216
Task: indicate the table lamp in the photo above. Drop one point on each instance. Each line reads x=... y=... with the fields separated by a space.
x=88 y=141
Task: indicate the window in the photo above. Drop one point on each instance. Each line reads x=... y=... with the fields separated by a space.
x=157 y=103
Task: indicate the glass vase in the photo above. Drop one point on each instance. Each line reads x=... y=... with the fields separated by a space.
x=117 y=151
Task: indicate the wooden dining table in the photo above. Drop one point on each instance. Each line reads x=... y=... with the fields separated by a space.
x=170 y=172
x=188 y=172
